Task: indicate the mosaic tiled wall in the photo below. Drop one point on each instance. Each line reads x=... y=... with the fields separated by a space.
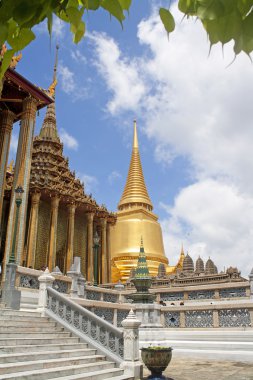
x=176 y=296
x=195 y=319
x=232 y=293
x=234 y=318
x=197 y=295
x=80 y=237
x=61 y=241
x=42 y=234
x=172 y=319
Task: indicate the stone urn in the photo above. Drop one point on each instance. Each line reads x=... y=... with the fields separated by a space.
x=156 y=359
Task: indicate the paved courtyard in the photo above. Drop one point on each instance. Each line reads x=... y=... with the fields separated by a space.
x=189 y=369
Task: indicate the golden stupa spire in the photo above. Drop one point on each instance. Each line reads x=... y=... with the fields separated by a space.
x=51 y=88
x=49 y=128
x=135 y=192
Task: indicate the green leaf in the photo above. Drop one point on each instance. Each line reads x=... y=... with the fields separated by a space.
x=24 y=11
x=187 y=6
x=6 y=62
x=125 y=4
x=74 y=16
x=3 y=33
x=21 y=39
x=50 y=23
x=244 y=6
x=114 y=8
x=78 y=32
x=91 y=4
x=210 y=9
x=167 y=19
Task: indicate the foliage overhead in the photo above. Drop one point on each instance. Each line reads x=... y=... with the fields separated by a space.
x=223 y=20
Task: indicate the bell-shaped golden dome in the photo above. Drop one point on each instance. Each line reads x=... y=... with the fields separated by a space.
x=135 y=219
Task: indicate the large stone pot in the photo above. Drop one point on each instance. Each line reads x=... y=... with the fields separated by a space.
x=156 y=360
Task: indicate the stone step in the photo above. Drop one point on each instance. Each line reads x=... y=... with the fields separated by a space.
x=241 y=356
x=25 y=318
x=55 y=373
x=48 y=363
x=39 y=335
x=109 y=374
x=228 y=335
x=30 y=330
x=35 y=341
x=20 y=313
x=24 y=323
x=212 y=345
x=42 y=347
x=42 y=355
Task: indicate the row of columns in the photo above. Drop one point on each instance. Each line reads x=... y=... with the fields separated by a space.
x=21 y=173
x=51 y=254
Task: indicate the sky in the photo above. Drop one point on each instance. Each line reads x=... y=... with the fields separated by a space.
x=194 y=118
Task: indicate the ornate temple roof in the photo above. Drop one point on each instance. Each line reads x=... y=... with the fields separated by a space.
x=135 y=191
x=210 y=267
x=49 y=130
x=200 y=266
x=188 y=265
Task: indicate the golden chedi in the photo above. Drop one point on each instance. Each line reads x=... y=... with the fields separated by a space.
x=135 y=218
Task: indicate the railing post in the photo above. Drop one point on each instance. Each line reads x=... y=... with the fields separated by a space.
x=46 y=280
x=251 y=283
x=81 y=282
x=74 y=273
x=131 y=364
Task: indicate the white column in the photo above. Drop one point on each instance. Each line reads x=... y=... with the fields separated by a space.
x=46 y=280
x=131 y=364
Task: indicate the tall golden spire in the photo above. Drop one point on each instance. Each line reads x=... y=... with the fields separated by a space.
x=49 y=127
x=135 y=192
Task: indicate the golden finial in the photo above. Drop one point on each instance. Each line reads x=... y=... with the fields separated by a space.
x=3 y=51
x=10 y=168
x=182 y=250
x=142 y=242
x=15 y=59
x=135 y=143
x=135 y=191
x=51 y=88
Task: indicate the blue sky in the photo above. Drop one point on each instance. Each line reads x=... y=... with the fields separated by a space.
x=194 y=117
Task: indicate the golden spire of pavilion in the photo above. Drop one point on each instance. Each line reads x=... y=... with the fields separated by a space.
x=49 y=127
x=135 y=191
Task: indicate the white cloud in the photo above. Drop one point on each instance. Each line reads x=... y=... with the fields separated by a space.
x=58 y=29
x=77 y=56
x=196 y=107
x=90 y=182
x=120 y=74
x=113 y=176
x=211 y=219
x=70 y=85
x=69 y=141
x=67 y=79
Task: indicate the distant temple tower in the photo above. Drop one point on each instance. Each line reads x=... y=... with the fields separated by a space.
x=135 y=219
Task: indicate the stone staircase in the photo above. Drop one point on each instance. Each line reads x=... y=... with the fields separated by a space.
x=211 y=344
x=34 y=348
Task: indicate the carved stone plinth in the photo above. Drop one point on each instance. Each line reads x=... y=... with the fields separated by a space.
x=131 y=364
x=10 y=295
x=149 y=315
x=46 y=280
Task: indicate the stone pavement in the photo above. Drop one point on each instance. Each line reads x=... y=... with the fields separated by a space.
x=189 y=369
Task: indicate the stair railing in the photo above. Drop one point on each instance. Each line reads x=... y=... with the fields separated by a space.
x=93 y=330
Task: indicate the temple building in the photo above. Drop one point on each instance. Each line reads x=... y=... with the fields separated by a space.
x=57 y=219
